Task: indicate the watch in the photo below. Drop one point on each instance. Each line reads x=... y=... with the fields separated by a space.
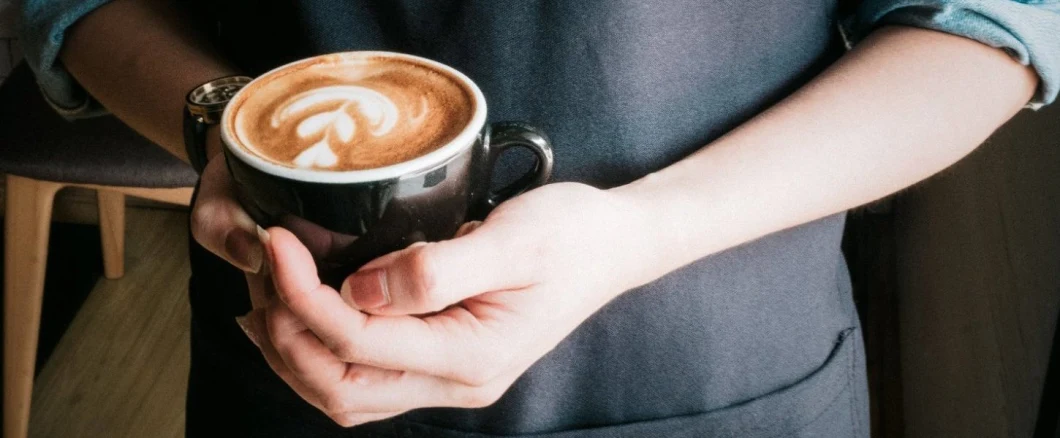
x=203 y=107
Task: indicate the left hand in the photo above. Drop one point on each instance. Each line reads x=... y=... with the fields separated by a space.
x=450 y=323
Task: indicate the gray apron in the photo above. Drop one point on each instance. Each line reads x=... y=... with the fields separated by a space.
x=758 y=341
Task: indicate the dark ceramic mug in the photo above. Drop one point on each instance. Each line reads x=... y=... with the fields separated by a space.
x=347 y=218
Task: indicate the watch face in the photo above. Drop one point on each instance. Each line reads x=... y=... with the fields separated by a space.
x=220 y=94
x=208 y=100
x=218 y=91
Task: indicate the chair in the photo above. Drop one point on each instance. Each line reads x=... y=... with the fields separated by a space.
x=41 y=153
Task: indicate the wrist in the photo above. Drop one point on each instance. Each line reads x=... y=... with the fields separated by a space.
x=204 y=109
x=676 y=228
x=642 y=236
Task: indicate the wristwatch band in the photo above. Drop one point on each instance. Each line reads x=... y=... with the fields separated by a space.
x=203 y=107
x=195 y=140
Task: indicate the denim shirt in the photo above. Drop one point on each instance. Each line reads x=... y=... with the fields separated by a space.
x=1026 y=29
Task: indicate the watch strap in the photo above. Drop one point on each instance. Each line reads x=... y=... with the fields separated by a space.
x=204 y=106
x=195 y=140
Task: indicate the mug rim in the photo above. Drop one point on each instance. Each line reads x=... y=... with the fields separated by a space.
x=412 y=167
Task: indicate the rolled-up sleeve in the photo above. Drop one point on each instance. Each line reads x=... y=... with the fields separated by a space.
x=43 y=25
x=1026 y=29
x=1029 y=30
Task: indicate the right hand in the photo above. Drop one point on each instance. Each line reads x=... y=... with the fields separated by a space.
x=221 y=226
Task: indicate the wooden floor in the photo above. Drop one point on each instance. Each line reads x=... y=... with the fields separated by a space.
x=121 y=368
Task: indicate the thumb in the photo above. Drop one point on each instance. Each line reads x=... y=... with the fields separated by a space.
x=429 y=277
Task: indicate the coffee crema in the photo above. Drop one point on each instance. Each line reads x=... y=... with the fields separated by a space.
x=350 y=111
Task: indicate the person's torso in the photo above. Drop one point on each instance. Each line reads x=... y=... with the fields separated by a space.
x=624 y=88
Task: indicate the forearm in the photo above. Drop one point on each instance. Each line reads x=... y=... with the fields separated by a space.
x=904 y=105
x=139 y=58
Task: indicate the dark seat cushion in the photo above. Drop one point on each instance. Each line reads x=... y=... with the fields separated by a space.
x=36 y=142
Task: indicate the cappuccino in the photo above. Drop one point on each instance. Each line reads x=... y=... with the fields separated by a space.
x=360 y=154
x=350 y=111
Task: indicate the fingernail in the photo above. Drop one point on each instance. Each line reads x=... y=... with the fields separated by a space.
x=263 y=236
x=244 y=324
x=467 y=228
x=265 y=239
x=366 y=290
x=244 y=250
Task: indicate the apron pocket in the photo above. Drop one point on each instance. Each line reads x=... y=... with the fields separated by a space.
x=821 y=404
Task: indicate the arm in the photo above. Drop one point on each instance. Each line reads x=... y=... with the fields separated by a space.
x=471 y=314
x=142 y=79
x=904 y=105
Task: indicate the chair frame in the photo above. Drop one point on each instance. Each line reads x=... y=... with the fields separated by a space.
x=27 y=222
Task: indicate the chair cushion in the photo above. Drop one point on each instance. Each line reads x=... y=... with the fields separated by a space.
x=36 y=142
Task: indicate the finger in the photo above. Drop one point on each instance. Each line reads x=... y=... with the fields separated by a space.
x=467 y=228
x=415 y=391
x=358 y=374
x=391 y=342
x=345 y=387
x=220 y=225
x=255 y=328
x=431 y=277
x=351 y=419
x=383 y=393
x=254 y=324
x=312 y=362
x=260 y=288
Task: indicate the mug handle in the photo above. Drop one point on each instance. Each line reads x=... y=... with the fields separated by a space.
x=498 y=138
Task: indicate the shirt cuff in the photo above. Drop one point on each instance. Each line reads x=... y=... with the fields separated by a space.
x=1024 y=29
x=44 y=24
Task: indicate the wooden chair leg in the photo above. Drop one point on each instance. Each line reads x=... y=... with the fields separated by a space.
x=112 y=232
x=27 y=222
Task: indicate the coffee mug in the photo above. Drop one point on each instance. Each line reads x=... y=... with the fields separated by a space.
x=349 y=217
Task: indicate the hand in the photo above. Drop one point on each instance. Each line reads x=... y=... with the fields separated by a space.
x=450 y=323
x=218 y=223
x=221 y=226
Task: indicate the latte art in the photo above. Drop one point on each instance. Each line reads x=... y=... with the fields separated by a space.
x=378 y=110
x=348 y=114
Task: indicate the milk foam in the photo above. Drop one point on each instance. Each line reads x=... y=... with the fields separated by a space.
x=352 y=114
x=380 y=112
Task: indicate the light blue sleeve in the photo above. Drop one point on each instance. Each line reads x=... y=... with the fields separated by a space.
x=1029 y=30
x=44 y=23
